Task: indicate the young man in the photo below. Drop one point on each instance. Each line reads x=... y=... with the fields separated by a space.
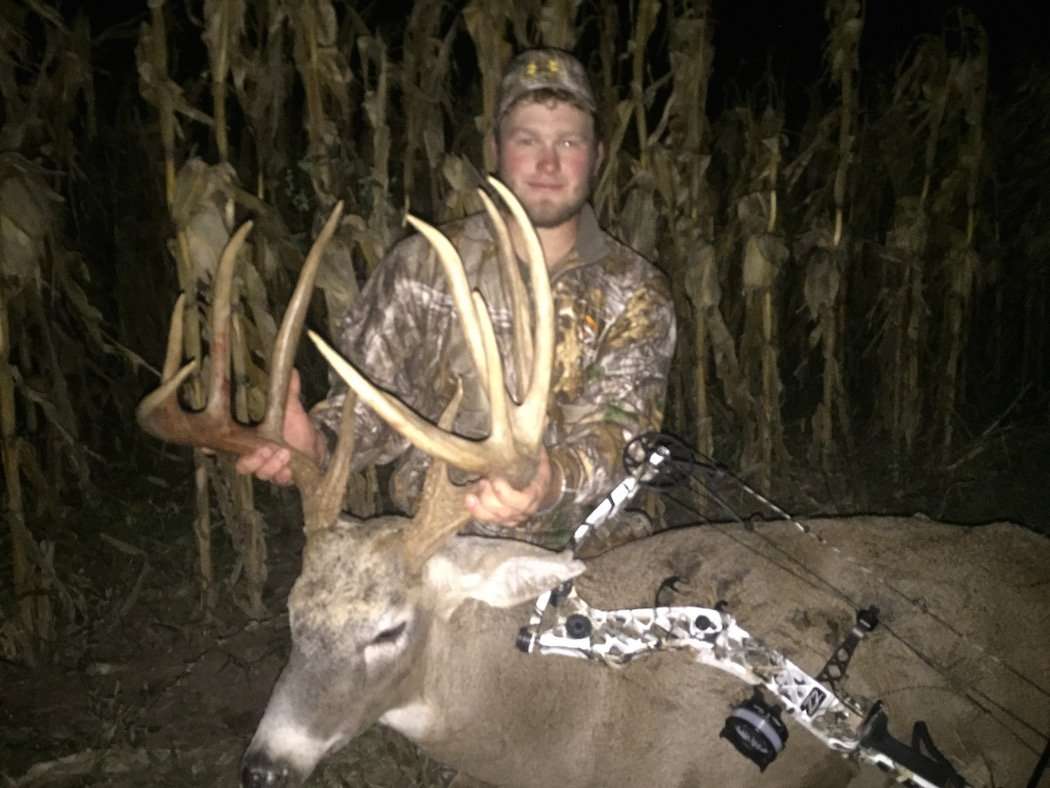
x=615 y=325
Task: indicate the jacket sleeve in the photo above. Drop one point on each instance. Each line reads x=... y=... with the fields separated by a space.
x=623 y=395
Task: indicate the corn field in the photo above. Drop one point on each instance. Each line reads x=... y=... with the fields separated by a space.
x=862 y=285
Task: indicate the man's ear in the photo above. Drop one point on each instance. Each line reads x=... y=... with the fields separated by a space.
x=599 y=157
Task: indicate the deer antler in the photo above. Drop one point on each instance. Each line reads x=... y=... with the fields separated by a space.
x=514 y=288
x=161 y=415
x=512 y=447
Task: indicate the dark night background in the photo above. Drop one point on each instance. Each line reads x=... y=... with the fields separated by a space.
x=753 y=39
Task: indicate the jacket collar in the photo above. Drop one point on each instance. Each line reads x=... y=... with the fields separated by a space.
x=592 y=242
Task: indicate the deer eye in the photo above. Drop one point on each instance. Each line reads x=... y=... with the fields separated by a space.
x=388 y=635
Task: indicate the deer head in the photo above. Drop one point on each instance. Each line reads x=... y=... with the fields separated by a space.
x=362 y=607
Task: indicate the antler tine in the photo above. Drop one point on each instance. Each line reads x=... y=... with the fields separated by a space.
x=459 y=289
x=219 y=362
x=173 y=354
x=530 y=416
x=519 y=298
x=501 y=433
x=152 y=413
x=291 y=329
x=322 y=506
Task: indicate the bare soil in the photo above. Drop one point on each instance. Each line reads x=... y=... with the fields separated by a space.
x=142 y=689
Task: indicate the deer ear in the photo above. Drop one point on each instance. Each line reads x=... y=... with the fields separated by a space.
x=497 y=572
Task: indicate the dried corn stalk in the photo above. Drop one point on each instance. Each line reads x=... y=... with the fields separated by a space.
x=901 y=312
x=224 y=26
x=825 y=277
x=426 y=100
x=557 y=23
x=223 y=36
x=165 y=95
x=970 y=81
x=1029 y=117
x=644 y=26
x=693 y=207
x=625 y=200
x=904 y=325
x=202 y=214
x=325 y=76
x=381 y=221
x=486 y=20
x=764 y=254
x=47 y=324
x=31 y=625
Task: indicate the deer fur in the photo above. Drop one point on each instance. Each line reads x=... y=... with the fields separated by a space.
x=457 y=686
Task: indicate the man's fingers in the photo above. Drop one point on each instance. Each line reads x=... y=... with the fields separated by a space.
x=490 y=503
x=275 y=467
x=502 y=491
x=267 y=463
x=250 y=463
x=492 y=515
x=495 y=500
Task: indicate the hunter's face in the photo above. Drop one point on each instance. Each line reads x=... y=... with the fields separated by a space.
x=548 y=157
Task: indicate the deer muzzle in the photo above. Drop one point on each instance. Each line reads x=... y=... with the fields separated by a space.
x=258 y=770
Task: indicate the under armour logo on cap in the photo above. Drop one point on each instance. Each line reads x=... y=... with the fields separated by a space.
x=545 y=69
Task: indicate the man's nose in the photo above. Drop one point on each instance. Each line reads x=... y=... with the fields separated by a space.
x=548 y=161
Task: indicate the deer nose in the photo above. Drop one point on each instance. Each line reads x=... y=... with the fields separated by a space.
x=258 y=771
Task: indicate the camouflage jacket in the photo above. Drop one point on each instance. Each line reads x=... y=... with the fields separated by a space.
x=615 y=335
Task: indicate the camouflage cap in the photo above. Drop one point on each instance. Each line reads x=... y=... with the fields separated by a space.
x=544 y=69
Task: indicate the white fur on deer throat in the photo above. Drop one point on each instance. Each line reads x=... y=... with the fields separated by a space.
x=414 y=720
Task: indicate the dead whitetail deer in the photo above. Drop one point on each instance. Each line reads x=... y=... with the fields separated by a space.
x=396 y=620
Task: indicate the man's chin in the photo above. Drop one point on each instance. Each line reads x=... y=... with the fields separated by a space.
x=546 y=216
